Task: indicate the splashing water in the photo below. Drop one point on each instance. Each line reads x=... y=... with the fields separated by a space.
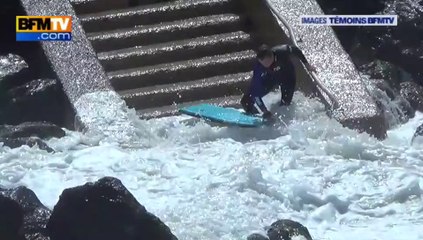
x=224 y=183
x=395 y=106
x=11 y=64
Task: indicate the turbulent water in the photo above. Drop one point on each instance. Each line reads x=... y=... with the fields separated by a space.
x=224 y=183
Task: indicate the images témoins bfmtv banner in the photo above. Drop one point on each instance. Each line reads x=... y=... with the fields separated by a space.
x=43 y=28
x=349 y=20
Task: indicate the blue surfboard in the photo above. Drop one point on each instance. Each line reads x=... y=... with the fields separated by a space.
x=228 y=116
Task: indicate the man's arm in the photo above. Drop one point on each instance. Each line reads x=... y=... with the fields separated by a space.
x=298 y=53
x=292 y=49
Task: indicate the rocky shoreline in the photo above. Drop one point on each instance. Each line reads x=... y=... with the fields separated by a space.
x=102 y=210
x=30 y=110
x=399 y=45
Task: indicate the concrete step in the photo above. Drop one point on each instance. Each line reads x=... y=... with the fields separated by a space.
x=91 y=6
x=165 y=111
x=154 y=13
x=175 y=51
x=162 y=95
x=182 y=71
x=165 y=32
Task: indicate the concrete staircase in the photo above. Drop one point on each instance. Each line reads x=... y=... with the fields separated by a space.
x=163 y=55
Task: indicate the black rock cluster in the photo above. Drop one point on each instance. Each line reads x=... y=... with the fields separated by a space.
x=103 y=210
x=30 y=110
x=30 y=95
x=419 y=131
x=29 y=133
x=95 y=211
x=26 y=98
x=391 y=54
x=283 y=229
x=399 y=45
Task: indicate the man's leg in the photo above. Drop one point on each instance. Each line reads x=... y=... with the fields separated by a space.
x=288 y=87
x=248 y=104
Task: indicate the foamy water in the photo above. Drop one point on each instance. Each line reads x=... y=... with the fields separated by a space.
x=225 y=183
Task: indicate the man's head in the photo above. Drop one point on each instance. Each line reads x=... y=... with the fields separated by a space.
x=265 y=55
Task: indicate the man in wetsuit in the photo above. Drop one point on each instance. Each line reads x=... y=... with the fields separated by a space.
x=272 y=68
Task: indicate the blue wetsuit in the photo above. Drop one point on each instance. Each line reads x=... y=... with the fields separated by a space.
x=264 y=80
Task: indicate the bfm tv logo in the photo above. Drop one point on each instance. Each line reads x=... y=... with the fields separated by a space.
x=43 y=28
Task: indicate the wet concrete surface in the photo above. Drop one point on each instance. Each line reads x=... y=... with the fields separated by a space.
x=82 y=77
x=143 y=50
x=162 y=95
x=175 y=50
x=153 y=13
x=74 y=62
x=90 y=6
x=149 y=113
x=176 y=72
x=335 y=68
x=165 y=32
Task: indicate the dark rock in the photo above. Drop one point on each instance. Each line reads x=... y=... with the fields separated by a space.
x=390 y=73
x=104 y=210
x=389 y=53
x=419 y=132
x=387 y=79
x=32 y=88
x=257 y=236
x=31 y=52
x=28 y=216
x=383 y=86
x=31 y=129
x=13 y=69
x=21 y=63
x=406 y=107
x=30 y=141
x=38 y=100
x=11 y=219
x=400 y=45
x=346 y=34
x=11 y=65
x=285 y=229
x=351 y=6
x=413 y=93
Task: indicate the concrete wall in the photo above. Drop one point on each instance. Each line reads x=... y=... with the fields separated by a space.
x=266 y=29
x=358 y=110
x=98 y=107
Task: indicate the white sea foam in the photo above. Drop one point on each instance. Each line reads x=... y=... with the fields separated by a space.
x=225 y=183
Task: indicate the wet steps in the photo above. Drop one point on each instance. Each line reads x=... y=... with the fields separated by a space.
x=161 y=95
x=165 y=32
x=149 y=113
x=150 y=14
x=176 y=72
x=91 y=6
x=174 y=52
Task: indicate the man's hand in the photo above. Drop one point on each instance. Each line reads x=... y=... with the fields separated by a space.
x=283 y=103
x=310 y=68
x=267 y=115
